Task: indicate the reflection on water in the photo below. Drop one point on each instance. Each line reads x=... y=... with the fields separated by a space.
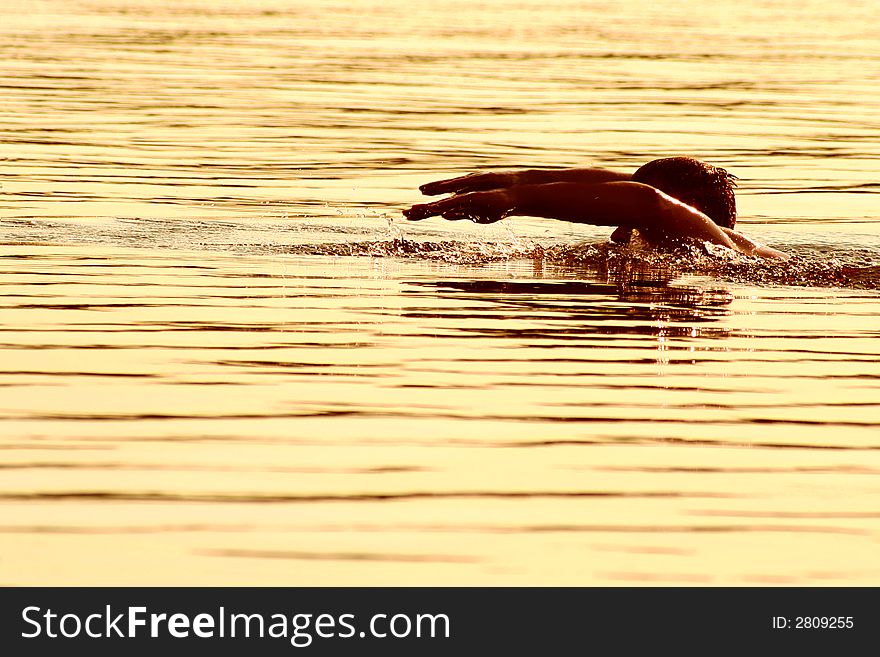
x=644 y=307
x=226 y=360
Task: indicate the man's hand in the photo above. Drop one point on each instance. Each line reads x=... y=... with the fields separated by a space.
x=481 y=207
x=473 y=182
x=621 y=235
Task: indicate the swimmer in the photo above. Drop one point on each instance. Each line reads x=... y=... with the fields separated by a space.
x=666 y=201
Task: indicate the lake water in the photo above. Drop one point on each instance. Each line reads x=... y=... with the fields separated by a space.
x=226 y=359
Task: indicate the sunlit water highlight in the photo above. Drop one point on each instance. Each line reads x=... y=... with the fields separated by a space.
x=226 y=359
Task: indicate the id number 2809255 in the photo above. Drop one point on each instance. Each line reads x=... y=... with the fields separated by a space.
x=814 y=623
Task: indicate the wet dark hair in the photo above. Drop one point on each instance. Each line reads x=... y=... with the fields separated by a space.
x=707 y=188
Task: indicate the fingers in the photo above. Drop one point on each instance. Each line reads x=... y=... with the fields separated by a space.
x=424 y=210
x=421 y=211
x=481 y=207
x=438 y=187
x=473 y=182
x=418 y=212
x=447 y=186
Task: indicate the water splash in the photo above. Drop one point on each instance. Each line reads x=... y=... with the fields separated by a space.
x=613 y=261
x=818 y=265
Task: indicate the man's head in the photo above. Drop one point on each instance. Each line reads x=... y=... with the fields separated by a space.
x=704 y=187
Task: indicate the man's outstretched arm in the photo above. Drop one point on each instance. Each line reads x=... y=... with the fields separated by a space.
x=658 y=216
x=478 y=182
